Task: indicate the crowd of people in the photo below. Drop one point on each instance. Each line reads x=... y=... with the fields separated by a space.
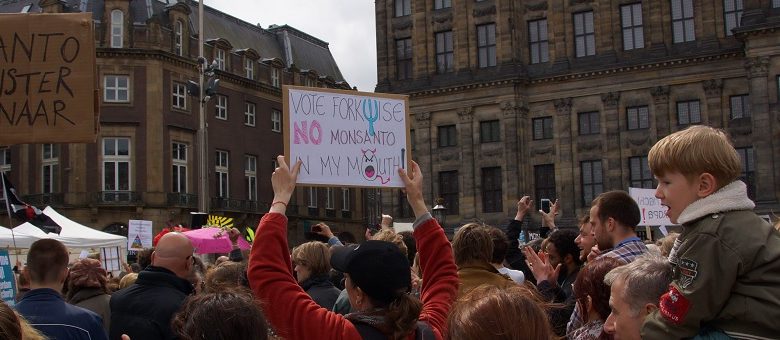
x=717 y=279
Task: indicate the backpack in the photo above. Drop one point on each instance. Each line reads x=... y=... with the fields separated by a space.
x=423 y=331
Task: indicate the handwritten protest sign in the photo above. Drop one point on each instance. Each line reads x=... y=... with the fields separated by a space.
x=47 y=78
x=653 y=213
x=346 y=138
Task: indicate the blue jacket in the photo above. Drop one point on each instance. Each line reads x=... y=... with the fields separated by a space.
x=47 y=311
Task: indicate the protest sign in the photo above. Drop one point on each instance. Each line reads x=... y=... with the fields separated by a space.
x=653 y=213
x=346 y=138
x=47 y=78
x=7 y=279
x=139 y=234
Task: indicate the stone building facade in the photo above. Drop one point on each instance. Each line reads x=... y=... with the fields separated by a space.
x=564 y=99
x=144 y=163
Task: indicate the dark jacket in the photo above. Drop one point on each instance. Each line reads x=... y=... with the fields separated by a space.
x=144 y=310
x=321 y=290
x=95 y=300
x=47 y=311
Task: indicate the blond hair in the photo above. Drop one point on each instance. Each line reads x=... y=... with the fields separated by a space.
x=696 y=150
x=314 y=255
x=128 y=280
x=391 y=236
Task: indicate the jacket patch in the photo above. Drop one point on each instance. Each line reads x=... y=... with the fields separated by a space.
x=688 y=272
x=674 y=306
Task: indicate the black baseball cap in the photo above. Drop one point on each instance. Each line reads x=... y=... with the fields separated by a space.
x=377 y=267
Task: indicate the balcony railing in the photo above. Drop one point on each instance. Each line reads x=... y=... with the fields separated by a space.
x=180 y=200
x=54 y=199
x=231 y=204
x=117 y=198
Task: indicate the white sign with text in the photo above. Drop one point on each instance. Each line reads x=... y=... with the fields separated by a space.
x=346 y=138
x=139 y=234
x=653 y=213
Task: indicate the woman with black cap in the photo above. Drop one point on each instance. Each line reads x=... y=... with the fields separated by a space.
x=378 y=279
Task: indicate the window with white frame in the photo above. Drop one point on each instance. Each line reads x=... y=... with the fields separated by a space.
x=219 y=57
x=221 y=107
x=439 y=4
x=445 y=55
x=631 y=21
x=638 y=117
x=312 y=197
x=584 y=34
x=486 y=45
x=222 y=169
x=178 y=40
x=688 y=112
x=276 y=121
x=537 y=41
x=250 y=174
x=740 y=106
x=50 y=167
x=116 y=88
x=345 y=201
x=117 y=28
x=275 y=77
x=249 y=68
x=403 y=8
x=682 y=21
x=179 y=96
x=732 y=13
x=330 y=199
x=179 y=167
x=116 y=164
x=5 y=159
x=249 y=114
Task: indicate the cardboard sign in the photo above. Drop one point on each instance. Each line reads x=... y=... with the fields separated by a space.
x=139 y=234
x=47 y=78
x=346 y=138
x=653 y=213
x=7 y=279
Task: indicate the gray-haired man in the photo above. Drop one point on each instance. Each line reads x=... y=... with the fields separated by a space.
x=635 y=291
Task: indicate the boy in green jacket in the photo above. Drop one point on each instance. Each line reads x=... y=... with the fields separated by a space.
x=727 y=259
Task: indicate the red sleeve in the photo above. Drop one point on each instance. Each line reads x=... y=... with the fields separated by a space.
x=440 y=276
x=292 y=313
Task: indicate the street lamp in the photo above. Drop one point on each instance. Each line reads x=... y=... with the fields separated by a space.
x=439 y=211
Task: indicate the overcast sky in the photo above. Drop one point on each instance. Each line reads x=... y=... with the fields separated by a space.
x=347 y=25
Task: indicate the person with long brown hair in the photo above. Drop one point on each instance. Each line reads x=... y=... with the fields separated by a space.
x=378 y=278
x=592 y=296
x=491 y=312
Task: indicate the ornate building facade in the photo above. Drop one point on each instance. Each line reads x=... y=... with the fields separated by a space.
x=144 y=164
x=564 y=99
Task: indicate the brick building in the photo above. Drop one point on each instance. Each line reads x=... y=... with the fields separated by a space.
x=144 y=163
x=563 y=99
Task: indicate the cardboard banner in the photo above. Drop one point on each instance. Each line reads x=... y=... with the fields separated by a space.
x=346 y=138
x=47 y=78
x=653 y=213
x=7 y=279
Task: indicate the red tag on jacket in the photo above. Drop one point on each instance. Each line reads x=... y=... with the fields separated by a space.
x=674 y=306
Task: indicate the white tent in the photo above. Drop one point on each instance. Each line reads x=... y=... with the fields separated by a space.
x=73 y=235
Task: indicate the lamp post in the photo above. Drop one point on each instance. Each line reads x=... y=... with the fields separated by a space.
x=439 y=212
x=202 y=137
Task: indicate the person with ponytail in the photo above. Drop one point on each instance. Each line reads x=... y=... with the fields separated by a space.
x=378 y=277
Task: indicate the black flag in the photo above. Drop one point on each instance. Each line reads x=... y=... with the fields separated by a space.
x=25 y=212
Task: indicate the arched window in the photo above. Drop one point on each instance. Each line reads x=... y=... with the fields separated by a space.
x=179 y=38
x=117 y=28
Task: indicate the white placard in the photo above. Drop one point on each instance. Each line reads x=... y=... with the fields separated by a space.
x=139 y=234
x=653 y=213
x=346 y=138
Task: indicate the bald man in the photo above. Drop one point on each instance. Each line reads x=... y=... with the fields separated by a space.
x=144 y=309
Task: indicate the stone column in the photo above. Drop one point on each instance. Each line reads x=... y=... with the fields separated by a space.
x=714 y=115
x=661 y=109
x=423 y=151
x=467 y=172
x=758 y=78
x=565 y=165
x=509 y=129
x=613 y=167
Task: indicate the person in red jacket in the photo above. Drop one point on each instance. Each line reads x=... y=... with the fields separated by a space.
x=384 y=309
